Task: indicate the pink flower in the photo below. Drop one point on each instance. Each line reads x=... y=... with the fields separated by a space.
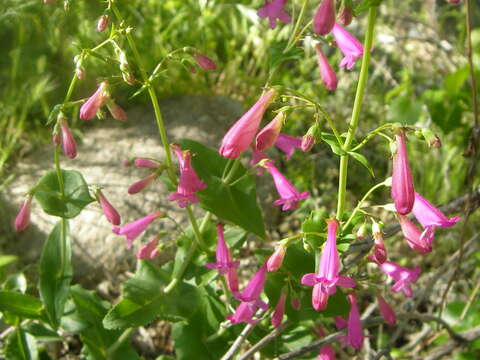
x=403 y=277
x=351 y=48
x=269 y=134
x=403 y=193
x=241 y=134
x=275 y=261
x=189 y=183
x=324 y=18
x=117 y=112
x=224 y=259
x=69 y=145
x=386 y=311
x=379 y=252
x=149 y=250
x=326 y=353
x=307 y=142
x=133 y=229
x=416 y=239
x=94 y=103
x=255 y=287
x=354 y=335
x=429 y=215
x=245 y=312
x=289 y=196
x=146 y=163
x=274 y=10
x=23 y=217
x=329 y=77
x=108 y=210
x=141 y=184
x=326 y=281
x=204 y=62
x=232 y=280
x=288 y=144
x=279 y=311
x=102 y=23
x=295 y=302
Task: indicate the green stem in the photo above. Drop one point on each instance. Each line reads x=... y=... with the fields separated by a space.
x=371 y=135
x=120 y=341
x=232 y=171
x=56 y=157
x=153 y=98
x=196 y=230
x=369 y=192
x=73 y=83
x=362 y=82
x=291 y=41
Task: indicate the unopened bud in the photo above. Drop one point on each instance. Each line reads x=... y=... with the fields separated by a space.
x=362 y=232
x=80 y=73
x=307 y=142
x=117 y=112
x=276 y=260
x=204 y=62
x=102 y=23
x=346 y=15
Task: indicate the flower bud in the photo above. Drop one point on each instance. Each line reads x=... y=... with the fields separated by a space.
x=109 y=211
x=80 y=73
x=324 y=18
x=276 y=260
x=102 y=23
x=431 y=138
x=204 y=62
x=23 y=218
x=309 y=139
x=362 y=232
x=69 y=144
x=346 y=15
x=117 y=112
x=146 y=163
x=296 y=303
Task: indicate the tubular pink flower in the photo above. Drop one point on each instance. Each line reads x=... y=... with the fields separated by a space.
x=149 y=250
x=351 y=48
x=329 y=77
x=403 y=277
x=189 y=183
x=269 y=134
x=403 y=193
x=386 y=311
x=288 y=144
x=232 y=281
x=108 y=210
x=204 y=62
x=69 y=144
x=133 y=229
x=274 y=10
x=275 y=261
x=416 y=239
x=324 y=18
x=23 y=217
x=429 y=215
x=279 y=311
x=141 y=184
x=94 y=103
x=224 y=259
x=146 y=163
x=116 y=111
x=241 y=134
x=245 y=312
x=295 y=302
x=255 y=287
x=325 y=282
x=289 y=196
x=354 y=335
x=326 y=353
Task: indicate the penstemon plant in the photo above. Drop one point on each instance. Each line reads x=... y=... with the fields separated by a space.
x=306 y=288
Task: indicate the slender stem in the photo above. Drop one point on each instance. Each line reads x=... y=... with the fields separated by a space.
x=291 y=41
x=369 y=192
x=153 y=98
x=267 y=339
x=232 y=171
x=56 y=158
x=362 y=82
x=73 y=83
x=196 y=230
x=371 y=135
x=470 y=63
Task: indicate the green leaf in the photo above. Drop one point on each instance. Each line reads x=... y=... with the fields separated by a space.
x=315 y=223
x=143 y=300
x=56 y=272
x=42 y=332
x=21 y=346
x=362 y=160
x=277 y=56
x=331 y=140
x=97 y=340
x=7 y=260
x=453 y=82
x=16 y=282
x=190 y=344
x=49 y=196
x=21 y=305
x=236 y=203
